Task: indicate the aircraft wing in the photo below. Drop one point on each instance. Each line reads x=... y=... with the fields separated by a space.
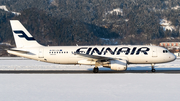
x=96 y=57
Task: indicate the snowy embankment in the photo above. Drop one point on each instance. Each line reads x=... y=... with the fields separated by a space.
x=17 y=63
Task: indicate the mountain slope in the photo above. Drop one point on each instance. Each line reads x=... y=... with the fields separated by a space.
x=84 y=22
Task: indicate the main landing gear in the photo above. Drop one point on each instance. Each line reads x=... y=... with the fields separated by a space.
x=95 y=70
x=152 y=65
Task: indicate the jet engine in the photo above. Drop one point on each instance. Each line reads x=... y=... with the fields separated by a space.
x=116 y=64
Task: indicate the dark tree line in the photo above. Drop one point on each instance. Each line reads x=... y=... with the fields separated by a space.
x=85 y=22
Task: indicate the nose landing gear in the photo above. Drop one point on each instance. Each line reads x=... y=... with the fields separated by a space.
x=152 y=66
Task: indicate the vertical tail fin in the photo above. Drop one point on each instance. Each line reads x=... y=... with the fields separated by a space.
x=21 y=36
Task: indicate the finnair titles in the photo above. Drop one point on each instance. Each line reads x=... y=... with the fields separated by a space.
x=116 y=51
x=113 y=57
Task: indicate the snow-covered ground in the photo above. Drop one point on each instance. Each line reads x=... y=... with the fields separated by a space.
x=3 y=7
x=116 y=11
x=87 y=87
x=167 y=25
x=176 y=7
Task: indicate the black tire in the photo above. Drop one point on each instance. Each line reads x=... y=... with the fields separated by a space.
x=95 y=70
x=153 y=70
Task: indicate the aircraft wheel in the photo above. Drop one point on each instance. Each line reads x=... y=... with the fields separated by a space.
x=153 y=70
x=95 y=70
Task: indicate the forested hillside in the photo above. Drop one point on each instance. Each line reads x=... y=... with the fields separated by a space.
x=91 y=22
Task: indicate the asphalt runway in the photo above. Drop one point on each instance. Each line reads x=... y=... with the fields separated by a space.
x=84 y=71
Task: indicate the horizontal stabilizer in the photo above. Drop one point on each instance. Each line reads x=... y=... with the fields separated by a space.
x=20 y=51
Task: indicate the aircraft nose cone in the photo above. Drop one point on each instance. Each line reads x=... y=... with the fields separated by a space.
x=173 y=57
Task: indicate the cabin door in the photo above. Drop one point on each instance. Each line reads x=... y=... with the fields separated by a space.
x=154 y=52
x=41 y=53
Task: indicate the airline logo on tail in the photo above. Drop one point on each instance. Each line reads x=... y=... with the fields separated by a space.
x=23 y=35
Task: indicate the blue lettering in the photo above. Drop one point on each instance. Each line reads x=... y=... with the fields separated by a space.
x=133 y=51
x=88 y=51
x=78 y=50
x=97 y=51
x=109 y=49
x=143 y=50
x=125 y=50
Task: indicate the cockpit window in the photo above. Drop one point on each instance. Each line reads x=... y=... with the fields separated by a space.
x=165 y=51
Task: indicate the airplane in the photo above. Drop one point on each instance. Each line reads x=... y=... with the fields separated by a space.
x=115 y=57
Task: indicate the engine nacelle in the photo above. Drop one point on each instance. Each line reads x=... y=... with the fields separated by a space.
x=117 y=65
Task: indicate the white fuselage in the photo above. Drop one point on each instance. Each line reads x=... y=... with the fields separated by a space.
x=138 y=54
x=114 y=57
